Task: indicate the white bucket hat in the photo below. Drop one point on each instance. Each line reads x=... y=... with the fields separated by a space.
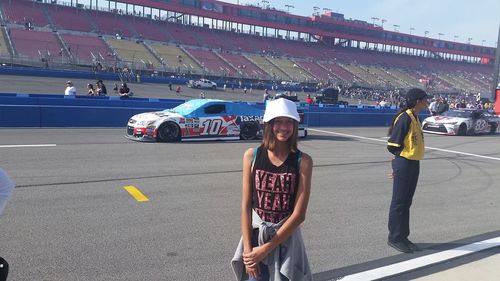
x=281 y=108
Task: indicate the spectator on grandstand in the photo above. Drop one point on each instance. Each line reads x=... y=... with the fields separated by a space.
x=70 y=89
x=90 y=90
x=101 y=88
x=461 y=104
x=309 y=100
x=124 y=91
x=433 y=107
x=443 y=106
x=266 y=96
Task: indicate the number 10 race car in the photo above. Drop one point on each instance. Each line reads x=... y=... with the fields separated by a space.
x=462 y=122
x=201 y=119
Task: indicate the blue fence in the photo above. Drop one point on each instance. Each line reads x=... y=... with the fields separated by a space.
x=34 y=110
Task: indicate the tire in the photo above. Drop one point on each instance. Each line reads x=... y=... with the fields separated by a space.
x=248 y=131
x=462 y=130
x=493 y=129
x=169 y=132
x=214 y=87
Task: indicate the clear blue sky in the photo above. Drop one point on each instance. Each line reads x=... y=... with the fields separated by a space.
x=476 y=19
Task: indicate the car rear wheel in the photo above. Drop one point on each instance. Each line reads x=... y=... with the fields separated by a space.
x=169 y=132
x=248 y=131
x=462 y=130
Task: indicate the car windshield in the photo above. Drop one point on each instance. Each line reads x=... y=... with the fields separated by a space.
x=187 y=107
x=461 y=114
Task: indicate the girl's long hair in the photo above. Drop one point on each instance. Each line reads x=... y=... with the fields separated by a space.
x=269 y=140
x=408 y=105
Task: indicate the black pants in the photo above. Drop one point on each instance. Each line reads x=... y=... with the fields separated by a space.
x=405 y=182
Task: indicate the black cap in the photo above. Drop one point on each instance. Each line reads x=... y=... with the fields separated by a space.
x=416 y=94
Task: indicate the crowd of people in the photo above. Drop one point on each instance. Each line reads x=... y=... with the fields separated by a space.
x=99 y=89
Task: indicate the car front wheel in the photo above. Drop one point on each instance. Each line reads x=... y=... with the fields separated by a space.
x=462 y=130
x=169 y=132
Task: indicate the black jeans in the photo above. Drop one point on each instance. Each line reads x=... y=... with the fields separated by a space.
x=405 y=182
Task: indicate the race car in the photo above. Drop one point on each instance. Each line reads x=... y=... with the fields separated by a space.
x=202 y=83
x=462 y=122
x=200 y=119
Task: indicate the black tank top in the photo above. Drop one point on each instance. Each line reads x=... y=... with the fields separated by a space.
x=274 y=187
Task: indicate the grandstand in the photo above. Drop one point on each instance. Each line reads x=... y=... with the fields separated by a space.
x=174 y=40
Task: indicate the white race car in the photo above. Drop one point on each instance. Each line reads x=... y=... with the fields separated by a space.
x=462 y=122
x=198 y=119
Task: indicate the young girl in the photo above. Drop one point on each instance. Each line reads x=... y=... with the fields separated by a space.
x=276 y=189
x=406 y=142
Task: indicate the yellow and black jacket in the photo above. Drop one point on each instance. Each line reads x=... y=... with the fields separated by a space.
x=407 y=138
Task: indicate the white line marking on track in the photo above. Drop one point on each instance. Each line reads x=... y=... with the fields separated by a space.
x=427 y=147
x=26 y=145
x=419 y=262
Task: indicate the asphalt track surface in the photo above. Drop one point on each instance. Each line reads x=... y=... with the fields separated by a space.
x=70 y=217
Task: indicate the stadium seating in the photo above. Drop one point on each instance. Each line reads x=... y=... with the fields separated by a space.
x=245 y=67
x=175 y=59
x=135 y=55
x=25 y=11
x=4 y=50
x=267 y=66
x=69 y=18
x=87 y=49
x=110 y=23
x=216 y=52
x=212 y=63
x=291 y=69
x=36 y=44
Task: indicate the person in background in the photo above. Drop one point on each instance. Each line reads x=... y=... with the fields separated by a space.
x=90 y=90
x=406 y=143
x=101 y=88
x=276 y=171
x=309 y=100
x=70 y=89
x=124 y=91
x=433 y=107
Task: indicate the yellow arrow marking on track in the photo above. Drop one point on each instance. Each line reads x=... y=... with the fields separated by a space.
x=136 y=193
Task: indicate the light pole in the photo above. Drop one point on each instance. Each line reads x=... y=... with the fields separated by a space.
x=396 y=27
x=316 y=9
x=439 y=35
x=382 y=22
x=264 y=2
x=455 y=37
x=425 y=33
x=482 y=42
x=327 y=10
x=288 y=7
x=468 y=40
x=411 y=30
x=374 y=19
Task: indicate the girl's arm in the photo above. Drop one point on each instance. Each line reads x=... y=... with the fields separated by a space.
x=296 y=218
x=246 y=210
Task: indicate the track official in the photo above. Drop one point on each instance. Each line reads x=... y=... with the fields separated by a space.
x=406 y=143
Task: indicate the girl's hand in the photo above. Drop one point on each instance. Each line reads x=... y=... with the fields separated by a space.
x=253 y=272
x=253 y=258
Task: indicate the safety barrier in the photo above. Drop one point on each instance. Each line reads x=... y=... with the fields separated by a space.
x=35 y=110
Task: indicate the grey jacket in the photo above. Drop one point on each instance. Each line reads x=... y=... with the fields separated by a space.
x=289 y=258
